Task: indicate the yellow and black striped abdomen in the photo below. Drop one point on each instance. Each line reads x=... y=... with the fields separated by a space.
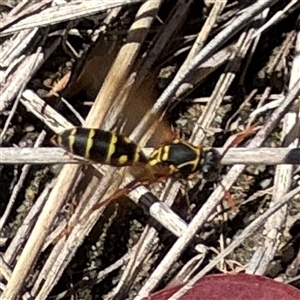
x=100 y=146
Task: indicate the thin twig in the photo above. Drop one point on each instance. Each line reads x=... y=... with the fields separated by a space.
x=19 y=184
x=55 y=14
x=247 y=156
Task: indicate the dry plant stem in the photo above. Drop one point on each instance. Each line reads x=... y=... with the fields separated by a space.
x=189 y=268
x=122 y=261
x=276 y=65
x=11 y=113
x=72 y=109
x=4 y=269
x=147 y=243
x=260 y=19
x=160 y=211
x=205 y=31
x=215 y=61
x=249 y=98
x=119 y=263
x=16 y=245
x=295 y=279
x=44 y=112
x=223 y=84
x=282 y=183
x=22 y=73
x=13 y=48
x=240 y=22
x=177 y=16
x=21 y=88
x=253 y=156
x=265 y=96
x=66 y=12
x=238 y=240
x=19 y=184
x=21 y=11
x=215 y=198
x=102 y=274
x=258 y=97
x=278 y=16
x=125 y=59
x=201 y=73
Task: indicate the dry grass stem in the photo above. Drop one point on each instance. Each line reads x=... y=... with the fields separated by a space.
x=247 y=156
x=50 y=15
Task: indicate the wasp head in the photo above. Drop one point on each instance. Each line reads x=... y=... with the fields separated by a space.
x=211 y=166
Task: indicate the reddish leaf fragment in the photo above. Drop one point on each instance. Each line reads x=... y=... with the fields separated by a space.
x=233 y=287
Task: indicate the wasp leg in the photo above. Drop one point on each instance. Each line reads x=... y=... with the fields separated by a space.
x=229 y=198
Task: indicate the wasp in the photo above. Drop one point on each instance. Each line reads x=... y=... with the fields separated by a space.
x=180 y=158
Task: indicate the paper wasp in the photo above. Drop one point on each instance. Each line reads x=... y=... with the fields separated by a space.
x=179 y=158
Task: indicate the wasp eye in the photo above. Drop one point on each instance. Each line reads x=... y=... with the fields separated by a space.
x=211 y=166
